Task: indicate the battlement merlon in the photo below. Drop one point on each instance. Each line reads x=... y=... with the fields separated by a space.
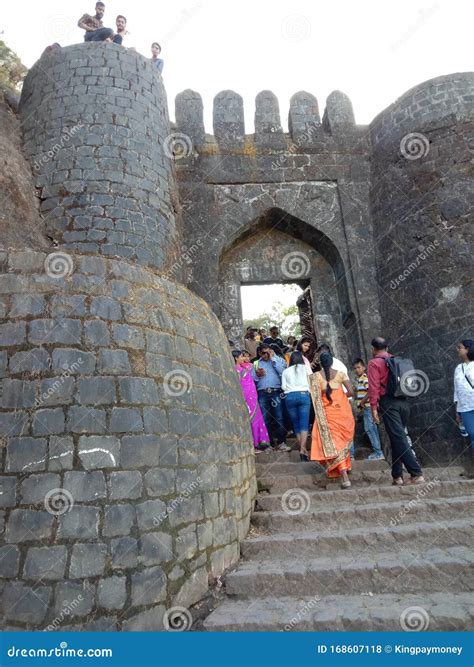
x=306 y=130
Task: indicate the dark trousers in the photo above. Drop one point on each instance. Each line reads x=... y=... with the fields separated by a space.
x=271 y=407
x=395 y=413
x=98 y=35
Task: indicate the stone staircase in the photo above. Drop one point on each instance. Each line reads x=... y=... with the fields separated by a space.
x=373 y=557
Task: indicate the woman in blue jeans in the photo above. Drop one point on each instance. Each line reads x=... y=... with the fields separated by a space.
x=294 y=382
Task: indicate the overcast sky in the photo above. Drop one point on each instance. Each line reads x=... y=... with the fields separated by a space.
x=372 y=50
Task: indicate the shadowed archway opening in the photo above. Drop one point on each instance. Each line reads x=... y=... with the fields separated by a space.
x=279 y=248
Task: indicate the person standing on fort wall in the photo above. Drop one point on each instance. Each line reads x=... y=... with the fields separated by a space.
x=155 y=52
x=94 y=27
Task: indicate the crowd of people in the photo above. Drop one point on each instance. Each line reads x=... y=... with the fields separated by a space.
x=302 y=388
x=95 y=31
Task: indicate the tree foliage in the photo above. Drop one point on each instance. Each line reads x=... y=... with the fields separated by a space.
x=284 y=317
x=12 y=70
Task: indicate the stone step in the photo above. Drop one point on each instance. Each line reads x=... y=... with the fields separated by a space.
x=281 y=483
x=361 y=453
x=357 y=541
x=382 y=515
x=270 y=467
x=373 y=494
x=446 y=611
x=446 y=569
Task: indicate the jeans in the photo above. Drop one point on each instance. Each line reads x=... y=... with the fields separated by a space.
x=298 y=404
x=370 y=427
x=272 y=411
x=395 y=413
x=468 y=421
x=98 y=35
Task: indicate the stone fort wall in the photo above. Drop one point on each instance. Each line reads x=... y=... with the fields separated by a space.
x=127 y=463
x=387 y=206
x=311 y=183
x=422 y=197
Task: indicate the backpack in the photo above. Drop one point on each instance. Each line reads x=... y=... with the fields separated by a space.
x=399 y=368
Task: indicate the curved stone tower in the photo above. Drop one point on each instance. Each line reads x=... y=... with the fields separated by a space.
x=422 y=201
x=128 y=469
x=96 y=129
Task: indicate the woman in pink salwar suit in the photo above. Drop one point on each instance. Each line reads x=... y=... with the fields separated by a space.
x=261 y=439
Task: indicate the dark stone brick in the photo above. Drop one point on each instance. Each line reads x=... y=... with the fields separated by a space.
x=118 y=520
x=87 y=560
x=125 y=485
x=85 y=486
x=45 y=563
x=99 y=451
x=148 y=586
x=124 y=553
x=60 y=330
x=48 y=422
x=96 y=391
x=112 y=592
x=9 y=561
x=96 y=333
x=33 y=361
x=25 y=604
x=126 y=420
x=26 y=454
x=35 y=487
x=29 y=526
x=136 y=390
x=73 y=361
x=8 y=494
x=86 y=420
x=114 y=362
x=79 y=523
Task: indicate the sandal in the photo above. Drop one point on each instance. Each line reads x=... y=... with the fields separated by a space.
x=417 y=480
x=304 y=458
x=346 y=485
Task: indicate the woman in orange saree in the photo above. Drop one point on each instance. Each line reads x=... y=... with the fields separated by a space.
x=334 y=423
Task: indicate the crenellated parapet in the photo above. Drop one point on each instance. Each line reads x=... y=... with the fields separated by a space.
x=306 y=130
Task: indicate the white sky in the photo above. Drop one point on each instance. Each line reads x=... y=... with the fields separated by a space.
x=258 y=299
x=372 y=50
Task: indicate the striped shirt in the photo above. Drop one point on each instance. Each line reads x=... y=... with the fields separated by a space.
x=361 y=389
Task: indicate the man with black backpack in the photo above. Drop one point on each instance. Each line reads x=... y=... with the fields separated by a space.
x=387 y=378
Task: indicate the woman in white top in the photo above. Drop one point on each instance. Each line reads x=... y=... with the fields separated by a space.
x=294 y=382
x=464 y=386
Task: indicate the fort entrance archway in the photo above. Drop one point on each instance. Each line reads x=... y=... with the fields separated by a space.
x=279 y=248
